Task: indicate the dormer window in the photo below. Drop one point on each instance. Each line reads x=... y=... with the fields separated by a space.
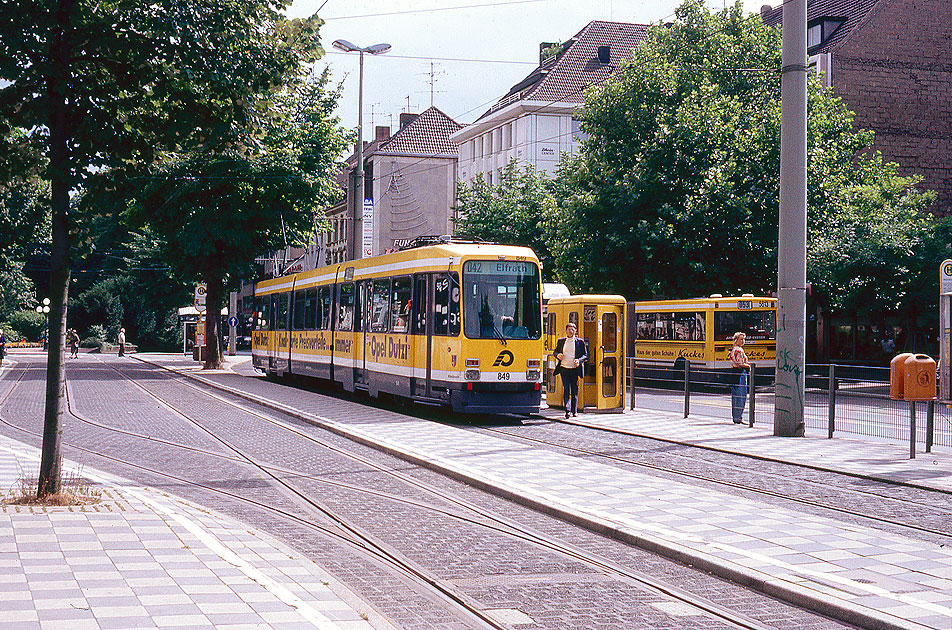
x=820 y=31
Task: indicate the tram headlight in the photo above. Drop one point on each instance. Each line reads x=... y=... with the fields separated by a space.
x=533 y=375
x=471 y=375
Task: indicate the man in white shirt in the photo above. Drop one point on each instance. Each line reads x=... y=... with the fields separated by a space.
x=571 y=354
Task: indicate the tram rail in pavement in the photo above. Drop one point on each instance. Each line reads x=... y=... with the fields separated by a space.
x=856 y=574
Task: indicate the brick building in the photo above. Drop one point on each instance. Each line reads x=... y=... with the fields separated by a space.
x=891 y=62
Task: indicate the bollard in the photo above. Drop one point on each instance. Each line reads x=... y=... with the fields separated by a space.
x=930 y=425
x=687 y=388
x=831 y=422
x=753 y=396
x=631 y=380
x=912 y=429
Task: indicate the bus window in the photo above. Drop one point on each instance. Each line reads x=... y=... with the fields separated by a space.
x=400 y=305
x=310 y=304
x=754 y=324
x=324 y=307
x=380 y=306
x=502 y=300
x=281 y=311
x=345 y=314
x=298 y=317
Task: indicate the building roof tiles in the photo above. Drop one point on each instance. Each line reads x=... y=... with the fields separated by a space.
x=427 y=134
x=853 y=11
x=565 y=79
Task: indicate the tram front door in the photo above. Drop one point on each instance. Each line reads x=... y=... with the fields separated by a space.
x=600 y=321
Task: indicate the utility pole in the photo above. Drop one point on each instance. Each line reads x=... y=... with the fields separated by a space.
x=792 y=246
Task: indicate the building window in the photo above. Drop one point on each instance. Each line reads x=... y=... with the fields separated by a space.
x=821 y=30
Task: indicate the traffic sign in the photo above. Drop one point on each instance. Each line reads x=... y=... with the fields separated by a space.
x=200 y=291
x=233 y=321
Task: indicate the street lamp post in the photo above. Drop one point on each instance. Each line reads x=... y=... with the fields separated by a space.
x=44 y=310
x=357 y=202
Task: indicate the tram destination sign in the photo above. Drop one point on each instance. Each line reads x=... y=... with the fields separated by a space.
x=499 y=267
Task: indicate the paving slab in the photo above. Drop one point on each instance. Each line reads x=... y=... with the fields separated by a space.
x=858 y=574
x=152 y=560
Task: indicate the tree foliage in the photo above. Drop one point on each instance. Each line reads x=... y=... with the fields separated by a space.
x=676 y=190
x=514 y=212
x=215 y=211
x=111 y=84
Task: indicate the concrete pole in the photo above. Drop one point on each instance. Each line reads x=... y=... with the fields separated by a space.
x=791 y=264
x=358 y=200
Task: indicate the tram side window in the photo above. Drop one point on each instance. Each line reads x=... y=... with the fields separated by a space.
x=380 y=306
x=400 y=305
x=299 y=309
x=262 y=317
x=281 y=311
x=324 y=307
x=419 y=305
x=345 y=314
x=446 y=319
x=310 y=303
x=671 y=326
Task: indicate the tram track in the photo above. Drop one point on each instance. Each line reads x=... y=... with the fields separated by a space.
x=940 y=515
x=353 y=535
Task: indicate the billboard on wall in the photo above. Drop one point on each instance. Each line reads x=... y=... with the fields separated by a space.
x=367 y=223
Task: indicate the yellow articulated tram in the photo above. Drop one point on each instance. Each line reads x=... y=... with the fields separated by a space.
x=457 y=324
x=666 y=333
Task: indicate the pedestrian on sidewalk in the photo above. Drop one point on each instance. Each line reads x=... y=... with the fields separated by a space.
x=122 y=342
x=73 y=338
x=3 y=346
x=571 y=354
x=741 y=368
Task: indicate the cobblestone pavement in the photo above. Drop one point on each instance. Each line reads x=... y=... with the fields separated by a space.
x=522 y=583
x=858 y=572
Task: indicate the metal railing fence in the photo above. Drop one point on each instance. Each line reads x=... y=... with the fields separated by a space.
x=839 y=399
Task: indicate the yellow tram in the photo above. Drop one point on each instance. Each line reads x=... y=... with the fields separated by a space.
x=666 y=333
x=458 y=324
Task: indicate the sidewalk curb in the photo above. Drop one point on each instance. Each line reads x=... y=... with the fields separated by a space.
x=791 y=593
x=763 y=458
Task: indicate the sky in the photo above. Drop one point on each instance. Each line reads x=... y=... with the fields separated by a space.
x=474 y=50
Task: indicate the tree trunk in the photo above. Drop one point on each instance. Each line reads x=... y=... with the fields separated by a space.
x=59 y=173
x=213 y=305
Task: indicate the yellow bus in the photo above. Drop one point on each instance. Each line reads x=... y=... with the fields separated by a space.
x=666 y=333
x=456 y=324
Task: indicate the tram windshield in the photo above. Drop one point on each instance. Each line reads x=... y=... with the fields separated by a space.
x=754 y=324
x=501 y=300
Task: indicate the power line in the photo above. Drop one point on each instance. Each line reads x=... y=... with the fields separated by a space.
x=469 y=6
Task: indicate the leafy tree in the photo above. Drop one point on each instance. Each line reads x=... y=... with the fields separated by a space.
x=676 y=190
x=108 y=83
x=216 y=211
x=514 y=212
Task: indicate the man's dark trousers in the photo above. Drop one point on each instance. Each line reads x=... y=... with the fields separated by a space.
x=569 y=388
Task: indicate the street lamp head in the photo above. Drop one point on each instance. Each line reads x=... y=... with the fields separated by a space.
x=346 y=46
x=46 y=301
x=378 y=49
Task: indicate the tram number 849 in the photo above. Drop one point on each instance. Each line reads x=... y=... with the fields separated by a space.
x=502 y=376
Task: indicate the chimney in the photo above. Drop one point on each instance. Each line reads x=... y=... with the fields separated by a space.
x=764 y=9
x=406 y=118
x=604 y=54
x=382 y=133
x=543 y=46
